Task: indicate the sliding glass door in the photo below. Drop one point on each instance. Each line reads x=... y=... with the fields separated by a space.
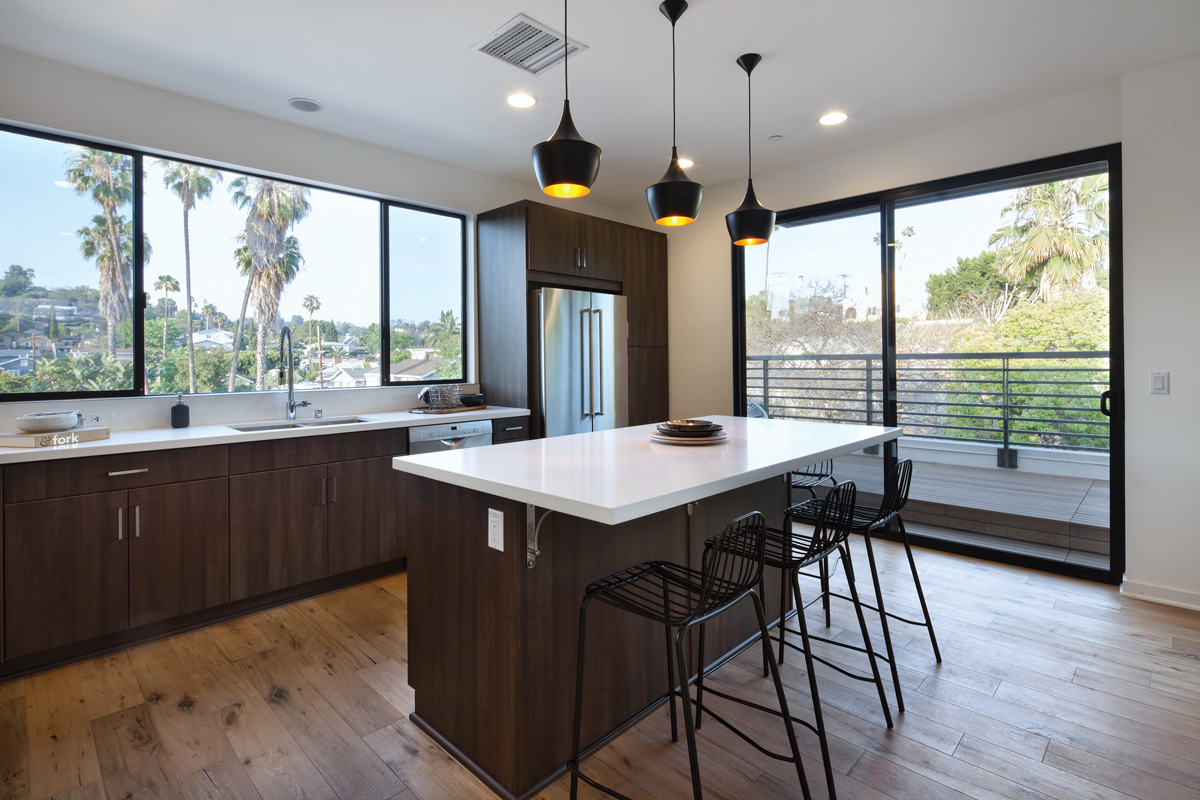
x=981 y=315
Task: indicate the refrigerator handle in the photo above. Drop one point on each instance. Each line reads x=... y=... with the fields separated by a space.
x=600 y=324
x=585 y=358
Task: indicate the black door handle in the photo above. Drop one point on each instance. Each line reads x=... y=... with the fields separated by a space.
x=1105 y=396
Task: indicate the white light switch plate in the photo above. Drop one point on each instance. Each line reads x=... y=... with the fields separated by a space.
x=1160 y=383
x=496 y=529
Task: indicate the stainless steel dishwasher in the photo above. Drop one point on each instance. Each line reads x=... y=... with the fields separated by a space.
x=449 y=436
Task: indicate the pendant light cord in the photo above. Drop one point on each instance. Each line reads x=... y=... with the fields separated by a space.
x=749 y=126
x=673 y=112
x=566 y=56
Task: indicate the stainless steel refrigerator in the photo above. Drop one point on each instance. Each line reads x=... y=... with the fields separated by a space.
x=584 y=361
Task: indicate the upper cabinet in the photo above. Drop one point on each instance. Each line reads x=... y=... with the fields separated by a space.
x=644 y=254
x=567 y=243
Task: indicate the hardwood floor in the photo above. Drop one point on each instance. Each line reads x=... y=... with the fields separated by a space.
x=1049 y=688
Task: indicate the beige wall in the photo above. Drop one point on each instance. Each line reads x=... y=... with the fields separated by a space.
x=1160 y=125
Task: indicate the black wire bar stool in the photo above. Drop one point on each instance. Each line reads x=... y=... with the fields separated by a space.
x=811 y=477
x=681 y=598
x=865 y=521
x=791 y=552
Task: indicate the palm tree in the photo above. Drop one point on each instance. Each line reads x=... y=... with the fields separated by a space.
x=1059 y=229
x=311 y=303
x=273 y=208
x=97 y=243
x=444 y=331
x=166 y=284
x=189 y=183
x=263 y=291
x=108 y=178
x=209 y=311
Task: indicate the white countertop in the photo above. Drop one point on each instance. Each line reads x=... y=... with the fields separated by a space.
x=203 y=435
x=620 y=475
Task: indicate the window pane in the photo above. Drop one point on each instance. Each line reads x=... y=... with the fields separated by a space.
x=254 y=255
x=66 y=248
x=426 y=286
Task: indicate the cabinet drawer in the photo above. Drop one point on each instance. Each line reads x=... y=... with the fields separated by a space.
x=44 y=480
x=510 y=429
x=310 y=450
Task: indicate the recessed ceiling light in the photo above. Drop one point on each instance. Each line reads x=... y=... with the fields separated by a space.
x=304 y=104
x=685 y=162
x=522 y=100
x=833 y=118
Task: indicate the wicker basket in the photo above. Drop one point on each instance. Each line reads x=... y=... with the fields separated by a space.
x=440 y=397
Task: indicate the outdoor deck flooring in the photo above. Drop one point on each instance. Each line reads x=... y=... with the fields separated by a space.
x=1050 y=689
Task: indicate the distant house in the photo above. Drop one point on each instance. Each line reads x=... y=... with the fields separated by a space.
x=69 y=344
x=423 y=352
x=416 y=369
x=44 y=346
x=9 y=339
x=61 y=313
x=213 y=337
x=347 y=377
x=16 y=362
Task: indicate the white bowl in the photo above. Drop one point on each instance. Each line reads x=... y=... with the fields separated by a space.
x=49 y=421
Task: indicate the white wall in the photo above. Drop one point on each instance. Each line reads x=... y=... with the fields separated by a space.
x=1160 y=126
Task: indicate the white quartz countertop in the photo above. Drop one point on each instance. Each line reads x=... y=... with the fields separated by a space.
x=138 y=441
x=619 y=475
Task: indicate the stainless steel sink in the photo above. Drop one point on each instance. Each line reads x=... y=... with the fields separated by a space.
x=318 y=423
x=254 y=427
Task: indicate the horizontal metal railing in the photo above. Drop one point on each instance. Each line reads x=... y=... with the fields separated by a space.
x=1042 y=400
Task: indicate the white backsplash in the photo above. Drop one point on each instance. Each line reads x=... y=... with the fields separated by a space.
x=139 y=413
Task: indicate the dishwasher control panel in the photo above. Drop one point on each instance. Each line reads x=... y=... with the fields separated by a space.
x=430 y=433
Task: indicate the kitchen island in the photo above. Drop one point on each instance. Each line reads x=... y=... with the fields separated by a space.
x=492 y=633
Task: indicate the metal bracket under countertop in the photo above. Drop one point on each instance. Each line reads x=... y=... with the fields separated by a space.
x=533 y=527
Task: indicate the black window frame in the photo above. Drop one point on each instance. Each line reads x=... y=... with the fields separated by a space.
x=884 y=203
x=139 y=388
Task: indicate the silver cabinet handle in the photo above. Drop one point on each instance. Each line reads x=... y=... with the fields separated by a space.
x=600 y=324
x=577 y=256
x=120 y=523
x=584 y=251
x=128 y=472
x=519 y=427
x=323 y=491
x=137 y=522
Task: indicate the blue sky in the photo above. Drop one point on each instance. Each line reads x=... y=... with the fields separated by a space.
x=339 y=239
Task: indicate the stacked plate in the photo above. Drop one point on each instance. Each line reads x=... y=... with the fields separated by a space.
x=689 y=432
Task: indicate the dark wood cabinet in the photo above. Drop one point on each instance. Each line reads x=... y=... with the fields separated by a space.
x=278 y=530
x=178 y=550
x=66 y=571
x=567 y=243
x=645 y=256
x=648 y=385
x=42 y=480
x=510 y=429
x=601 y=243
x=367 y=511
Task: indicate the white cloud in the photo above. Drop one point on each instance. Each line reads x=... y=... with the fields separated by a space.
x=63 y=184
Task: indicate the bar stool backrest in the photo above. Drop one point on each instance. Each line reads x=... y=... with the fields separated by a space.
x=835 y=519
x=897 y=492
x=733 y=564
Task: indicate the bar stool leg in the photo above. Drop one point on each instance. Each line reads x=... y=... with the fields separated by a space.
x=670 y=666
x=700 y=678
x=862 y=624
x=912 y=565
x=575 y=743
x=825 y=588
x=883 y=621
x=688 y=724
x=812 y=687
x=784 y=586
x=783 y=707
x=762 y=589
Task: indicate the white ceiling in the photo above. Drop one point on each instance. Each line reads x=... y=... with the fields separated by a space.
x=400 y=73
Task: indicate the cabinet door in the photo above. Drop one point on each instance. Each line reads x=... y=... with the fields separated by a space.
x=179 y=549
x=66 y=571
x=648 y=385
x=645 y=286
x=553 y=239
x=278 y=535
x=366 y=514
x=601 y=243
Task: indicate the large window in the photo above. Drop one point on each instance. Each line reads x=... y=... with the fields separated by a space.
x=229 y=259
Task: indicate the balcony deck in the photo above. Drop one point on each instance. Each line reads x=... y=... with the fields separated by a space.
x=1049 y=516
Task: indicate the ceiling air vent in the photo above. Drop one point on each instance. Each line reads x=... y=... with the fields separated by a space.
x=527 y=44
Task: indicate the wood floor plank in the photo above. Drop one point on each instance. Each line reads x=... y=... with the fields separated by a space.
x=363 y=708
x=241 y=637
x=1175 y=685
x=89 y=791
x=14 y=750
x=220 y=681
x=225 y=781
x=346 y=763
x=62 y=755
x=390 y=680
x=108 y=685
x=1150 y=696
x=426 y=769
x=273 y=761
x=1099 y=770
x=892 y=779
x=336 y=635
x=185 y=721
x=1035 y=775
x=133 y=761
x=11 y=689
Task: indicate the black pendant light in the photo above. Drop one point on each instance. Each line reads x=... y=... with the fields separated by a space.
x=674 y=200
x=750 y=223
x=566 y=164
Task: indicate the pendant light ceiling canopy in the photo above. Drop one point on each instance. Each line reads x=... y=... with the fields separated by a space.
x=750 y=223
x=675 y=199
x=566 y=164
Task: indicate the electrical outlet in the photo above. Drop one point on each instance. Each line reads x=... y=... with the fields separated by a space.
x=496 y=529
x=95 y=418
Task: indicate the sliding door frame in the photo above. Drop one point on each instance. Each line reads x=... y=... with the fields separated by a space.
x=885 y=203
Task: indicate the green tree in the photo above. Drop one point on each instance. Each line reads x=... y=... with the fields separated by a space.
x=1057 y=229
x=108 y=179
x=273 y=208
x=96 y=243
x=444 y=332
x=166 y=284
x=17 y=281
x=266 y=286
x=189 y=183
x=209 y=311
x=974 y=287
x=311 y=304
x=52 y=331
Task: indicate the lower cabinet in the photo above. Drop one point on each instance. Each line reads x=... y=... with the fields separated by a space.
x=278 y=530
x=66 y=571
x=366 y=512
x=178 y=550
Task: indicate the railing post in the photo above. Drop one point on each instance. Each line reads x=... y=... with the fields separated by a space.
x=1005 y=459
x=869 y=381
x=766 y=387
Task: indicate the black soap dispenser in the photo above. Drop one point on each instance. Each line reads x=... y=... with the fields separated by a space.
x=180 y=415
